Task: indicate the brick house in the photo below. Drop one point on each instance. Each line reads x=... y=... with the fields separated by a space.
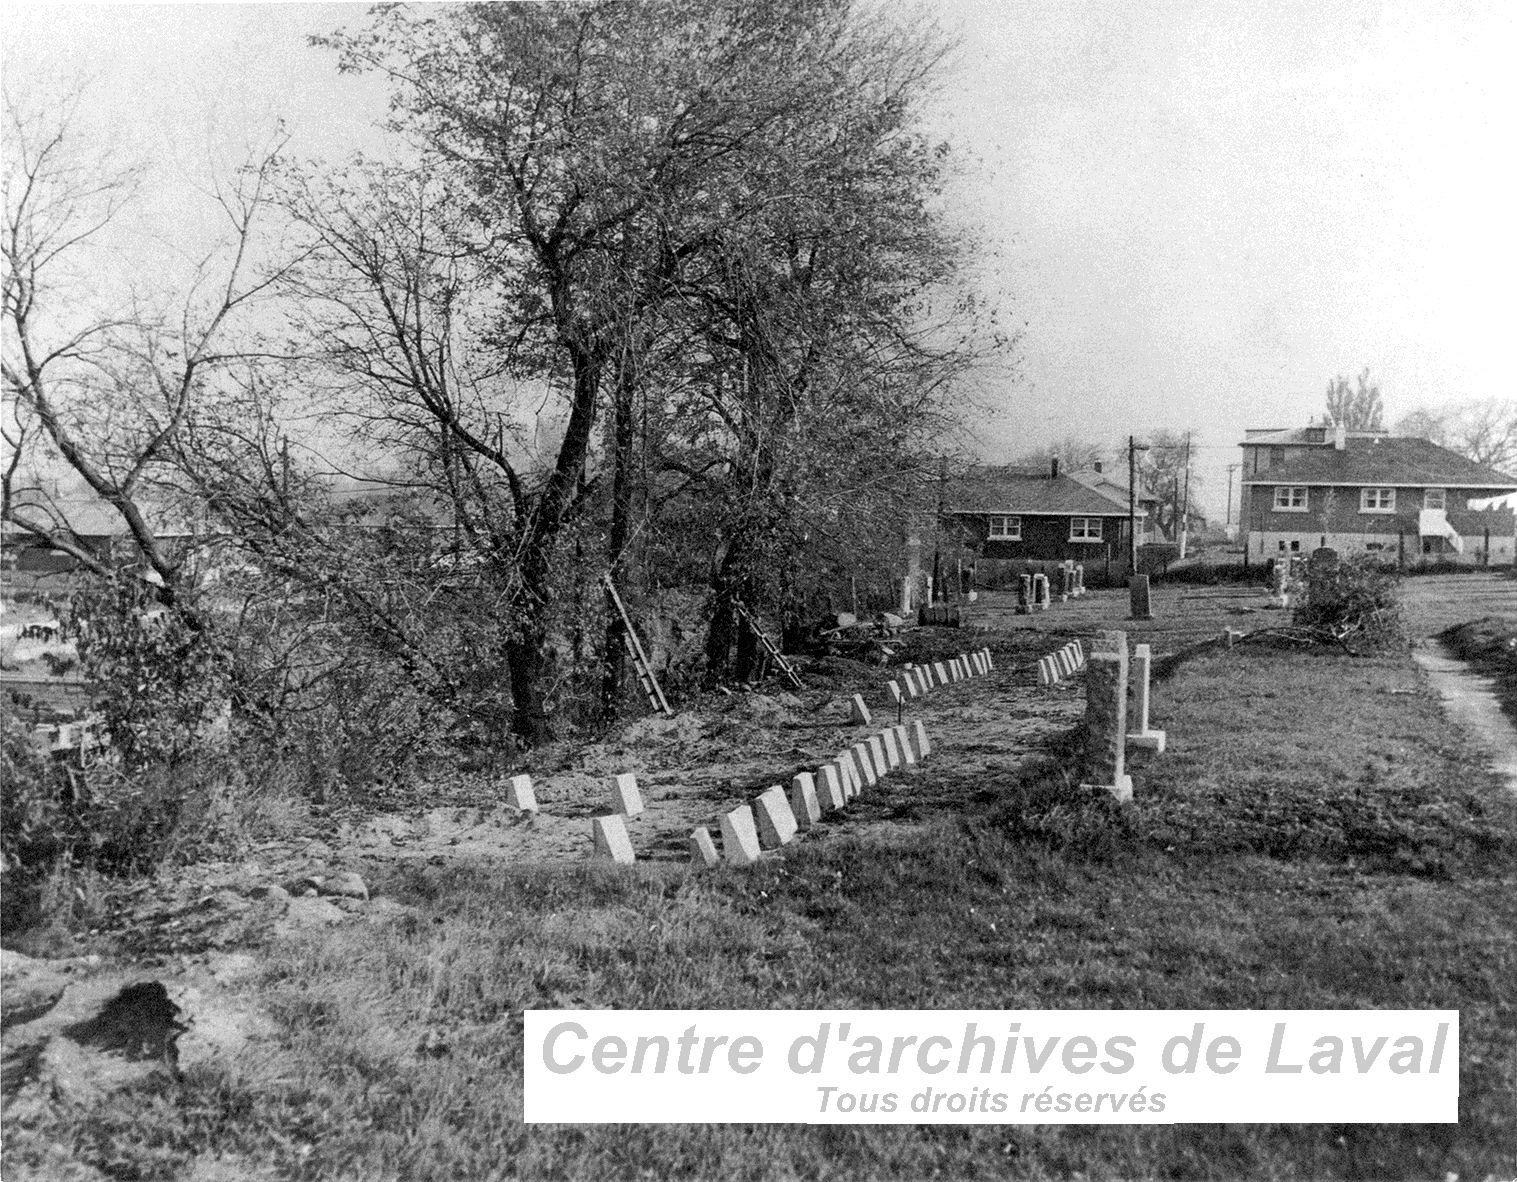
x=1360 y=492
x=1006 y=515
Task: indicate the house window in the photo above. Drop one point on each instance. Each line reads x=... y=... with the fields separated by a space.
x=1290 y=499
x=1008 y=529
x=1377 y=500
x=1084 y=529
x=1435 y=498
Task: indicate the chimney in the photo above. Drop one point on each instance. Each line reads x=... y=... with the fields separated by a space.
x=1053 y=468
x=1340 y=437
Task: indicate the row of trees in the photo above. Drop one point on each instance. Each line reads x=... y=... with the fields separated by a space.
x=659 y=291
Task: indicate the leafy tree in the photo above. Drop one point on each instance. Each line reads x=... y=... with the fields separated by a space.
x=1357 y=407
x=728 y=206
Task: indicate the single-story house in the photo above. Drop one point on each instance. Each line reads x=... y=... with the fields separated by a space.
x=1032 y=518
x=1370 y=492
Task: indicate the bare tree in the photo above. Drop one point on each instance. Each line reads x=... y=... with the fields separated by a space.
x=1357 y=407
x=103 y=396
x=1483 y=430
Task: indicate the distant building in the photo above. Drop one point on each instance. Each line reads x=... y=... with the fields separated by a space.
x=1369 y=492
x=1033 y=518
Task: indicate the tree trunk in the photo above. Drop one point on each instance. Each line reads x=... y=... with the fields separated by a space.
x=529 y=712
x=614 y=660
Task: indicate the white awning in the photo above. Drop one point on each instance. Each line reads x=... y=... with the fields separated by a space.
x=1434 y=523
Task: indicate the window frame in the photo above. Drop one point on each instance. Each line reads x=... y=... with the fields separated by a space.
x=1012 y=527
x=1385 y=500
x=1086 y=538
x=1306 y=497
x=1442 y=498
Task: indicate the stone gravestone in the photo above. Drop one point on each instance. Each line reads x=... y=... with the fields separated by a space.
x=740 y=844
x=625 y=797
x=803 y=800
x=776 y=823
x=1060 y=588
x=830 y=790
x=611 y=840
x=1105 y=755
x=1137 y=591
x=1140 y=670
x=1024 y=594
x=857 y=711
x=520 y=794
x=702 y=848
x=903 y=742
x=1040 y=591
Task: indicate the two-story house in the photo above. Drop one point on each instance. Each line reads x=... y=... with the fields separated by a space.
x=1403 y=498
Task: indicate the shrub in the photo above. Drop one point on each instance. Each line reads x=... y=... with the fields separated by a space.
x=1354 y=602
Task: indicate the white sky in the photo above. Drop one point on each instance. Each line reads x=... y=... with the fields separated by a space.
x=1203 y=211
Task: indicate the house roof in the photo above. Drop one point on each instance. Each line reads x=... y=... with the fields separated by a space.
x=1006 y=491
x=1114 y=489
x=1377 y=459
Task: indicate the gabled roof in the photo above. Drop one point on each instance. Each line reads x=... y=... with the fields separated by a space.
x=1007 y=491
x=1115 y=489
x=1382 y=460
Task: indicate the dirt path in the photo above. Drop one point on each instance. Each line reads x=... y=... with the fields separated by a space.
x=1434 y=603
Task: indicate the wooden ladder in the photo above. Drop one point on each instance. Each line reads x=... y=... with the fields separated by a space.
x=645 y=676
x=768 y=645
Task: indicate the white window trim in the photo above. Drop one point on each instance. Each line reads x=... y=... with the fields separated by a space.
x=1366 y=507
x=1100 y=527
x=1442 y=497
x=1306 y=497
x=1012 y=531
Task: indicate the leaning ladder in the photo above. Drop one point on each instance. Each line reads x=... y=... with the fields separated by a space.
x=645 y=676
x=768 y=645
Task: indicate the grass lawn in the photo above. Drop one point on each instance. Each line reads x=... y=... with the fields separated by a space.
x=1315 y=838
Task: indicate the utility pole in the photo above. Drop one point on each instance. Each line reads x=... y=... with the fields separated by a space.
x=1132 y=505
x=1228 y=521
x=1185 y=501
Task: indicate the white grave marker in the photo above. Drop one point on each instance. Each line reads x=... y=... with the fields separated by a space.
x=519 y=795
x=740 y=843
x=611 y=840
x=776 y=823
x=625 y=798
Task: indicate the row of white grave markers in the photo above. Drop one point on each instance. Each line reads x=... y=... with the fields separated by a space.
x=775 y=817
x=916 y=680
x=1068 y=661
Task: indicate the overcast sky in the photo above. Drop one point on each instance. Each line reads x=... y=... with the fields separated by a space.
x=1202 y=211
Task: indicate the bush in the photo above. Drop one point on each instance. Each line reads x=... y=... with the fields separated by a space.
x=1354 y=602
x=1213 y=574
